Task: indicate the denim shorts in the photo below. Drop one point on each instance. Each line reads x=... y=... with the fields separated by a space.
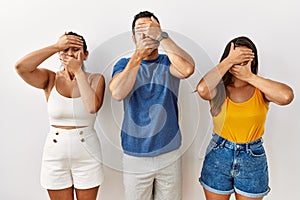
x=232 y=167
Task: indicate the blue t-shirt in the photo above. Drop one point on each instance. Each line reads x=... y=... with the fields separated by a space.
x=150 y=124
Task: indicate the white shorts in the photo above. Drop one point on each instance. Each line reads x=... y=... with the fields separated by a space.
x=158 y=178
x=71 y=158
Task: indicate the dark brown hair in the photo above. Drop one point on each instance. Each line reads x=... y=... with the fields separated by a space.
x=83 y=40
x=219 y=99
x=142 y=15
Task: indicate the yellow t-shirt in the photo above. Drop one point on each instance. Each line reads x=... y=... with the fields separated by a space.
x=242 y=122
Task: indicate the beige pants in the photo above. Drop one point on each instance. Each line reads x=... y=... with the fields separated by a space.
x=158 y=178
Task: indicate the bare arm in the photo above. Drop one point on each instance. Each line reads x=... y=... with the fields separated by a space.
x=92 y=94
x=27 y=67
x=182 y=64
x=207 y=85
x=123 y=82
x=274 y=91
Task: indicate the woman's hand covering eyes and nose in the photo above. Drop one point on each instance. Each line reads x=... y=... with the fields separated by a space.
x=238 y=55
x=69 y=41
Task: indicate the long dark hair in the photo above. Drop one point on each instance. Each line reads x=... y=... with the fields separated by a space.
x=219 y=99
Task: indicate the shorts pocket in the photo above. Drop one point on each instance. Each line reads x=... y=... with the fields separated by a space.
x=53 y=147
x=211 y=146
x=92 y=144
x=257 y=151
x=50 y=142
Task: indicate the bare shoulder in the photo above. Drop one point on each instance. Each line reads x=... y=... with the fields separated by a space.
x=95 y=78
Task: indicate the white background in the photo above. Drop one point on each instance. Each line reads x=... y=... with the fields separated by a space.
x=29 y=25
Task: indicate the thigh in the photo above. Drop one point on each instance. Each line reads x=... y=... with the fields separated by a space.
x=63 y=194
x=55 y=170
x=240 y=197
x=252 y=178
x=213 y=196
x=87 y=194
x=86 y=167
x=138 y=186
x=216 y=173
x=168 y=182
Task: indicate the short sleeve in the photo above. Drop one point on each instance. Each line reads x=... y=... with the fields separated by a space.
x=119 y=66
x=165 y=60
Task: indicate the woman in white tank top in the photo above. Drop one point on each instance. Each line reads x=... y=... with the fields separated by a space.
x=72 y=153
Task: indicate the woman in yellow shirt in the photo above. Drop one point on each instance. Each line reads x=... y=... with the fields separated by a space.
x=235 y=160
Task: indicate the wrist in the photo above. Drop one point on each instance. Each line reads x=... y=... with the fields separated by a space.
x=228 y=62
x=55 y=47
x=79 y=72
x=162 y=35
x=137 y=56
x=252 y=78
x=158 y=34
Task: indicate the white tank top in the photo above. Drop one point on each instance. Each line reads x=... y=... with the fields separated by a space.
x=64 y=111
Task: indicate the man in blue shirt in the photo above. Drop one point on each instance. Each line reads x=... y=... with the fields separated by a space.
x=148 y=84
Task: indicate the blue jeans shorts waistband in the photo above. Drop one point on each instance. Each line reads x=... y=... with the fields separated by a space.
x=222 y=142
